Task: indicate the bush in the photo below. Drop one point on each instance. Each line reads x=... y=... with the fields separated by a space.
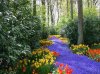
x=53 y=31
x=7 y=72
x=91 y=30
x=71 y=31
x=44 y=34
x=95 y=46
x=94 y=54
x=19 y=31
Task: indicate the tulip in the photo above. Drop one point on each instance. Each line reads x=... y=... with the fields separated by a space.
x=23 y=69
x=60 y=71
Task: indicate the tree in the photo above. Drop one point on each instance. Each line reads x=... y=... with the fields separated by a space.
x=88 y=3
x=18 y=29
x=67 y=2
x=58 y=11
x=48 y=11
x=43 y=13
x=71 y=8
x=80 y=22
x=34 y=7
x=51 y=11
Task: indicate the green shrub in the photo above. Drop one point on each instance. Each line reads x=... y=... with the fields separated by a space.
x=7 y=72
x=95 y=46
x=71 y=31
x=91 y=29
x=53 y=31
x=44 y=33
x=19 y=30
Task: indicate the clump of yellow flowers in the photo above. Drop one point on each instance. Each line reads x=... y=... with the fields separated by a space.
x=24 y=61
x=57 y=36
x=64 y=40
x=42 y=56
x=45 y=42
x=40 y=59
x=80 y=49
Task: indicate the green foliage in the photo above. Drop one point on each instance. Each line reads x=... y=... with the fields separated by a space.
x=53 y=31
x=97 y=58
x=19 y=30
x=7 y=72
x=61 y=24
x=41 y=62
x=90 y=12
x=91 y=29
x=44 y=33
x=45 y=69
x=22 y=69
x=95 y=46
x=71 y=31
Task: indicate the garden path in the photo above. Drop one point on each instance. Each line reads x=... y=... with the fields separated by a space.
x=79 y=63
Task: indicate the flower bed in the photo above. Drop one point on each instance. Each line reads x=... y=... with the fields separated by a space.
x=64 y=40
x=57 y=36
x=79 y=49
x=40 y=62
x=62 y=69
x=45 y=42
x=94 y=54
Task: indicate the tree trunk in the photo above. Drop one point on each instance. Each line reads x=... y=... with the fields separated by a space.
x=51 y=11
x=60 y=8
x=43 y=13
x=71 y=8
x=34 y=7
x=80 y=22
x=58 y=11
x=67 y=2
x=91 y=3
x=48 y=13
x=88 y=4
x=99 y=12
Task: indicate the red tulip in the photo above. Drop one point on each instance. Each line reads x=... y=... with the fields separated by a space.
x=23 y=69
x=55 y=53
x=61 y=65
x=60 y=71
x=68 y=70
